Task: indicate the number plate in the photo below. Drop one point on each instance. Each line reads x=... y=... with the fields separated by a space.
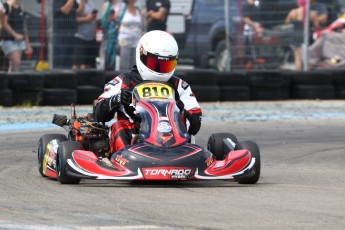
x=155 y=90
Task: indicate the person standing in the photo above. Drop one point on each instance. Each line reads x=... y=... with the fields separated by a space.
x=157 y=12
x=129 y=34
x=86 y=46
x=112 y=14
x=64 y=28
x=15 y=34
x=321 y=12
x=252 y=27
x=296 y=17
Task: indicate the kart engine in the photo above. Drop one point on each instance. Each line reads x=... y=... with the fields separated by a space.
x=92 y=135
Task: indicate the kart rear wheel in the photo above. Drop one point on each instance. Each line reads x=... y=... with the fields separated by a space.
x=255 y=152
x=65 y=152
x=42 y=148
x=215 y=144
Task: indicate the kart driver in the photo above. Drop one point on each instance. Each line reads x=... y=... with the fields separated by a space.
x=156 y=59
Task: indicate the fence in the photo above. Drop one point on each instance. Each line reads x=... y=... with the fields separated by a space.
x=199 y=28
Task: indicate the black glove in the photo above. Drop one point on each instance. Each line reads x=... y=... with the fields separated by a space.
x=195 y=123
x=126 y=96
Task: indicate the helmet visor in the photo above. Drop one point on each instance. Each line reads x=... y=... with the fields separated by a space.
x=158 y=63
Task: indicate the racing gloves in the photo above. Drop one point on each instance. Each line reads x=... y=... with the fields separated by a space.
x=194 y=119
x=123 y=98
x=195 y=122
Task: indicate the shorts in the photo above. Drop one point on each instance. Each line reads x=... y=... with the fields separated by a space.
x=9 y=46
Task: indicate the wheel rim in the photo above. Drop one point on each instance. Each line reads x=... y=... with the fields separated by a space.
x=222 y=60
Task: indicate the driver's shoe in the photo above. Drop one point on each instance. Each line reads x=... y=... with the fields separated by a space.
x=107 y=162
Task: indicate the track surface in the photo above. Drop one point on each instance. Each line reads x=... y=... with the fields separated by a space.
x=302 y=185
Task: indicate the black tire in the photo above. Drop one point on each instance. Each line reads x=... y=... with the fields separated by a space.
x=311 y=78
x=59 y=96
x=255 y=152
x=65 y=150
x=235 y=93
x=339 y=92
x=272 y=79
x=66 y=80
x=6 y=97
x=110 y=75
x=90 y=77
x=42 y=148
x=4 y=81
x=206 y=93
x=269 y=93
x=27 y=97
x=338 y=77
x=233 y=78
x=313 y=92
x=86 y=94
x=215 y=144
x=25 y=81
x=207 y=77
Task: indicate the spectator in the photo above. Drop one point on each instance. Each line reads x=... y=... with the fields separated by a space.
x=86 y=46
x=64 y=29
x=129 y=35
x=321 y=12
x=157 y=12
x=296 y=17
x=15 y=34
x=112 y=14
x=252 y=18
x=252 y=26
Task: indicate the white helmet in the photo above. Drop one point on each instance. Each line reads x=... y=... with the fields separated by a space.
x=156 y=56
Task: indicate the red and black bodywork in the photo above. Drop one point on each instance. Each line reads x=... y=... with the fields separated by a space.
x=162 y=150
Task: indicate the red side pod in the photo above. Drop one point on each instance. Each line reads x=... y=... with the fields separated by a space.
x=233 y=163
x=89 y=162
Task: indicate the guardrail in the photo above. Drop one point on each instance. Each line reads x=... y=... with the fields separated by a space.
x=82 y=87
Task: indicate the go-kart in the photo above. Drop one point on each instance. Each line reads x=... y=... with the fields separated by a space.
x=162 y=149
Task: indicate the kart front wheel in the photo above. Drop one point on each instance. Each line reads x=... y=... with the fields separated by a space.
x=42 y=149
x=255 y=153
x=216 y=146
x=64 y=153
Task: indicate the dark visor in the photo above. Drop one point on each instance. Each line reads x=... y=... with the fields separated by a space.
x=158 y=63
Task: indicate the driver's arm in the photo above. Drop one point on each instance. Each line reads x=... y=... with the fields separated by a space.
x=109 y=101
x=192 y=108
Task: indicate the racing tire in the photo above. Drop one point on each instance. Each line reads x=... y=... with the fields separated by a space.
x=215 y=144
x=206 y=93
x=255 y=152
x=65 y=150
x=6 y=97
x=4 y=81
x=42 y=148
x=86 y=94
x=235 y=93
x=65 y=79
x=90 y=77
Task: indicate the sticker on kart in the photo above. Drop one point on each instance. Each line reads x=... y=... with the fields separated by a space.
x=155 y=90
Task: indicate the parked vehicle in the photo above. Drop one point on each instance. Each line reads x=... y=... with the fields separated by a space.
x=200 y=32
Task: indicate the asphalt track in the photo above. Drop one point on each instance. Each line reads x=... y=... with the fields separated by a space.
x=302 y=184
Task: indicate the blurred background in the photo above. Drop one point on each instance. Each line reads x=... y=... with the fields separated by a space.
x=202 y=27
